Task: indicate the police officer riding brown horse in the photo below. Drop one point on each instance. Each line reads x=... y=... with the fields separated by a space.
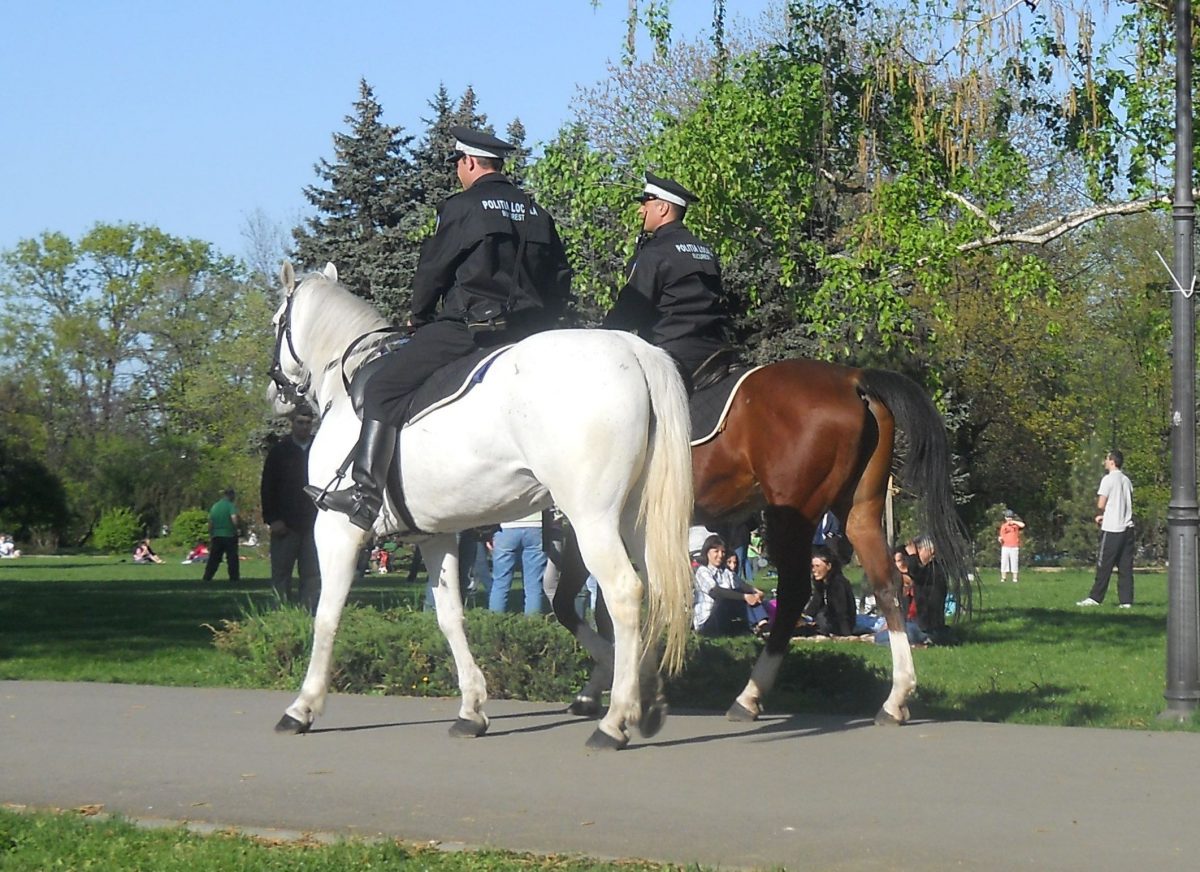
x=798 y=438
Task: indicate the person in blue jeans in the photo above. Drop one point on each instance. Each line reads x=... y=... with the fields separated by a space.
x=522 y=538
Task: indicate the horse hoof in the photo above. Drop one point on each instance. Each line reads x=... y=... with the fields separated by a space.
x=653 y=718
x=740 y=714
x=602 y=741
x=288 y=724
x=585 y=707
x=463 y=728
x=884 y=718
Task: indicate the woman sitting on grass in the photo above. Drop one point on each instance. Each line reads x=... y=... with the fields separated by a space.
x=720 y=599
x=143 y=553
x=832 y=607
x=199 y=554
x=7 y=548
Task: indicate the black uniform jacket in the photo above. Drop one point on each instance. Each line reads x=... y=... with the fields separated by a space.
x=285 y=473
x=673 y=290
x=470 y=263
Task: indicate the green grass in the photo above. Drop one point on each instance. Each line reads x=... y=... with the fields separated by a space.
x=107 y=619
x=32 y=842
x=1032 y=656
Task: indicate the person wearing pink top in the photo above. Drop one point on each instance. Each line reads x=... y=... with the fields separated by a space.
x=1009 y=537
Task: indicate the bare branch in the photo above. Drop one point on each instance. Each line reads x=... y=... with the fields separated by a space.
x=973 y=209
x=1048 y=231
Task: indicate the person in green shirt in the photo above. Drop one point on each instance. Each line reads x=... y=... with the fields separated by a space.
x=223 y=537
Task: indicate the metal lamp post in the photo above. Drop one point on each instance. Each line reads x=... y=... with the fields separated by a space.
x=1183 y=516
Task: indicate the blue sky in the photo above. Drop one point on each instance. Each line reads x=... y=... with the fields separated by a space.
x=193 y=115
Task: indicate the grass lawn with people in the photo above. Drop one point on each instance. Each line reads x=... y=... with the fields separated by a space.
x=1030 y=655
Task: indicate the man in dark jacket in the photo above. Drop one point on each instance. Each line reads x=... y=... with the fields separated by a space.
x=673 y=296
x=498 y=269
x=290 y=514
x=930 y=588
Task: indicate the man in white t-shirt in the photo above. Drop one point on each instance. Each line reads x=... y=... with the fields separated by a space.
x=1114 y=501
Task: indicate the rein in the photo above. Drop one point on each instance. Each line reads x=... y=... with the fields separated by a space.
x=294 y=393
x=290 y=391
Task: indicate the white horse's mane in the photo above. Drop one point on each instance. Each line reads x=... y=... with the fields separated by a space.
x=339 y=317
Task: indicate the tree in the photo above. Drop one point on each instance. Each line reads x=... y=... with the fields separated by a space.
x=134 y=361
x=360 y=223
x=435 y=180
x=922 y=186
x=517 y=163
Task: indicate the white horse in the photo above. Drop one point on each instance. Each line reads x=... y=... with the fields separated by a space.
x=595 y=422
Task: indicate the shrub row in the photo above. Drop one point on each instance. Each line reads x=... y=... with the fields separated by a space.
x=402 y=652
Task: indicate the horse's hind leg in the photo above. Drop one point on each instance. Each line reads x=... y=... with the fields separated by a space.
x=338 y=545
x=604 y=553
x=442 y=552
x=653 y=698
x=864 y=529
x=572 y=575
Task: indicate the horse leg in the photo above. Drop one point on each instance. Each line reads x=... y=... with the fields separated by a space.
x=442 y=552
x=603 y=552
x=789 y=547
x=652 y=699
x=864 y=529
x=338 y=546
x=572 y=575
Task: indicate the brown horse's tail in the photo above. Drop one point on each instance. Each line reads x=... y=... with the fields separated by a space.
x=925 y=471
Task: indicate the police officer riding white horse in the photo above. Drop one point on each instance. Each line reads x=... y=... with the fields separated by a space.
x=497 y=267
x=593 y=421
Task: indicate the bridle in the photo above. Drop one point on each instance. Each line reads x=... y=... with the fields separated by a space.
x=290 y=392
x=296 y=393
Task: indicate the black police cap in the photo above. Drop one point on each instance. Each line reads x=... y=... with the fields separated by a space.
x=476 y=143
x=659 y=188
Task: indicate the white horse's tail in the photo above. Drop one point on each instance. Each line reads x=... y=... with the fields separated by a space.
x=666 y=507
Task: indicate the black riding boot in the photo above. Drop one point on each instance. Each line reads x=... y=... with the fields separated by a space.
x=372 y=457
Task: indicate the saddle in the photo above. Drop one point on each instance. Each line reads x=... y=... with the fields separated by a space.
x=715 y=383
x=446 y=385
x=716 y=366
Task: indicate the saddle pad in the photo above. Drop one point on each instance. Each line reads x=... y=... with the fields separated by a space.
x=710 y=406
x=451 y=381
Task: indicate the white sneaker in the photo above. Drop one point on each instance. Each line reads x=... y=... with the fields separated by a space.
x=1125 y=606
x=1087 y=602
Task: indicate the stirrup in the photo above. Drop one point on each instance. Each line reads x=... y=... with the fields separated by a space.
x=360 y=505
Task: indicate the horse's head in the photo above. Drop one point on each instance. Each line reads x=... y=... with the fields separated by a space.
x=291 y=376
x=316 y=325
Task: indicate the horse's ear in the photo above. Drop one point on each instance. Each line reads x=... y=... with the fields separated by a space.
x=330 y=272
x=287 y=277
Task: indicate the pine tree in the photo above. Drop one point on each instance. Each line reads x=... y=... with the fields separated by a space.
x=363 y=212
x=435 y=180
x=517 y=164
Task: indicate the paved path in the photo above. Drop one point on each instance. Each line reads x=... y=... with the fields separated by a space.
x=802 y=792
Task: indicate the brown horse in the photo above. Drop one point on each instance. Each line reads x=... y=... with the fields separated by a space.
x=803 y=437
